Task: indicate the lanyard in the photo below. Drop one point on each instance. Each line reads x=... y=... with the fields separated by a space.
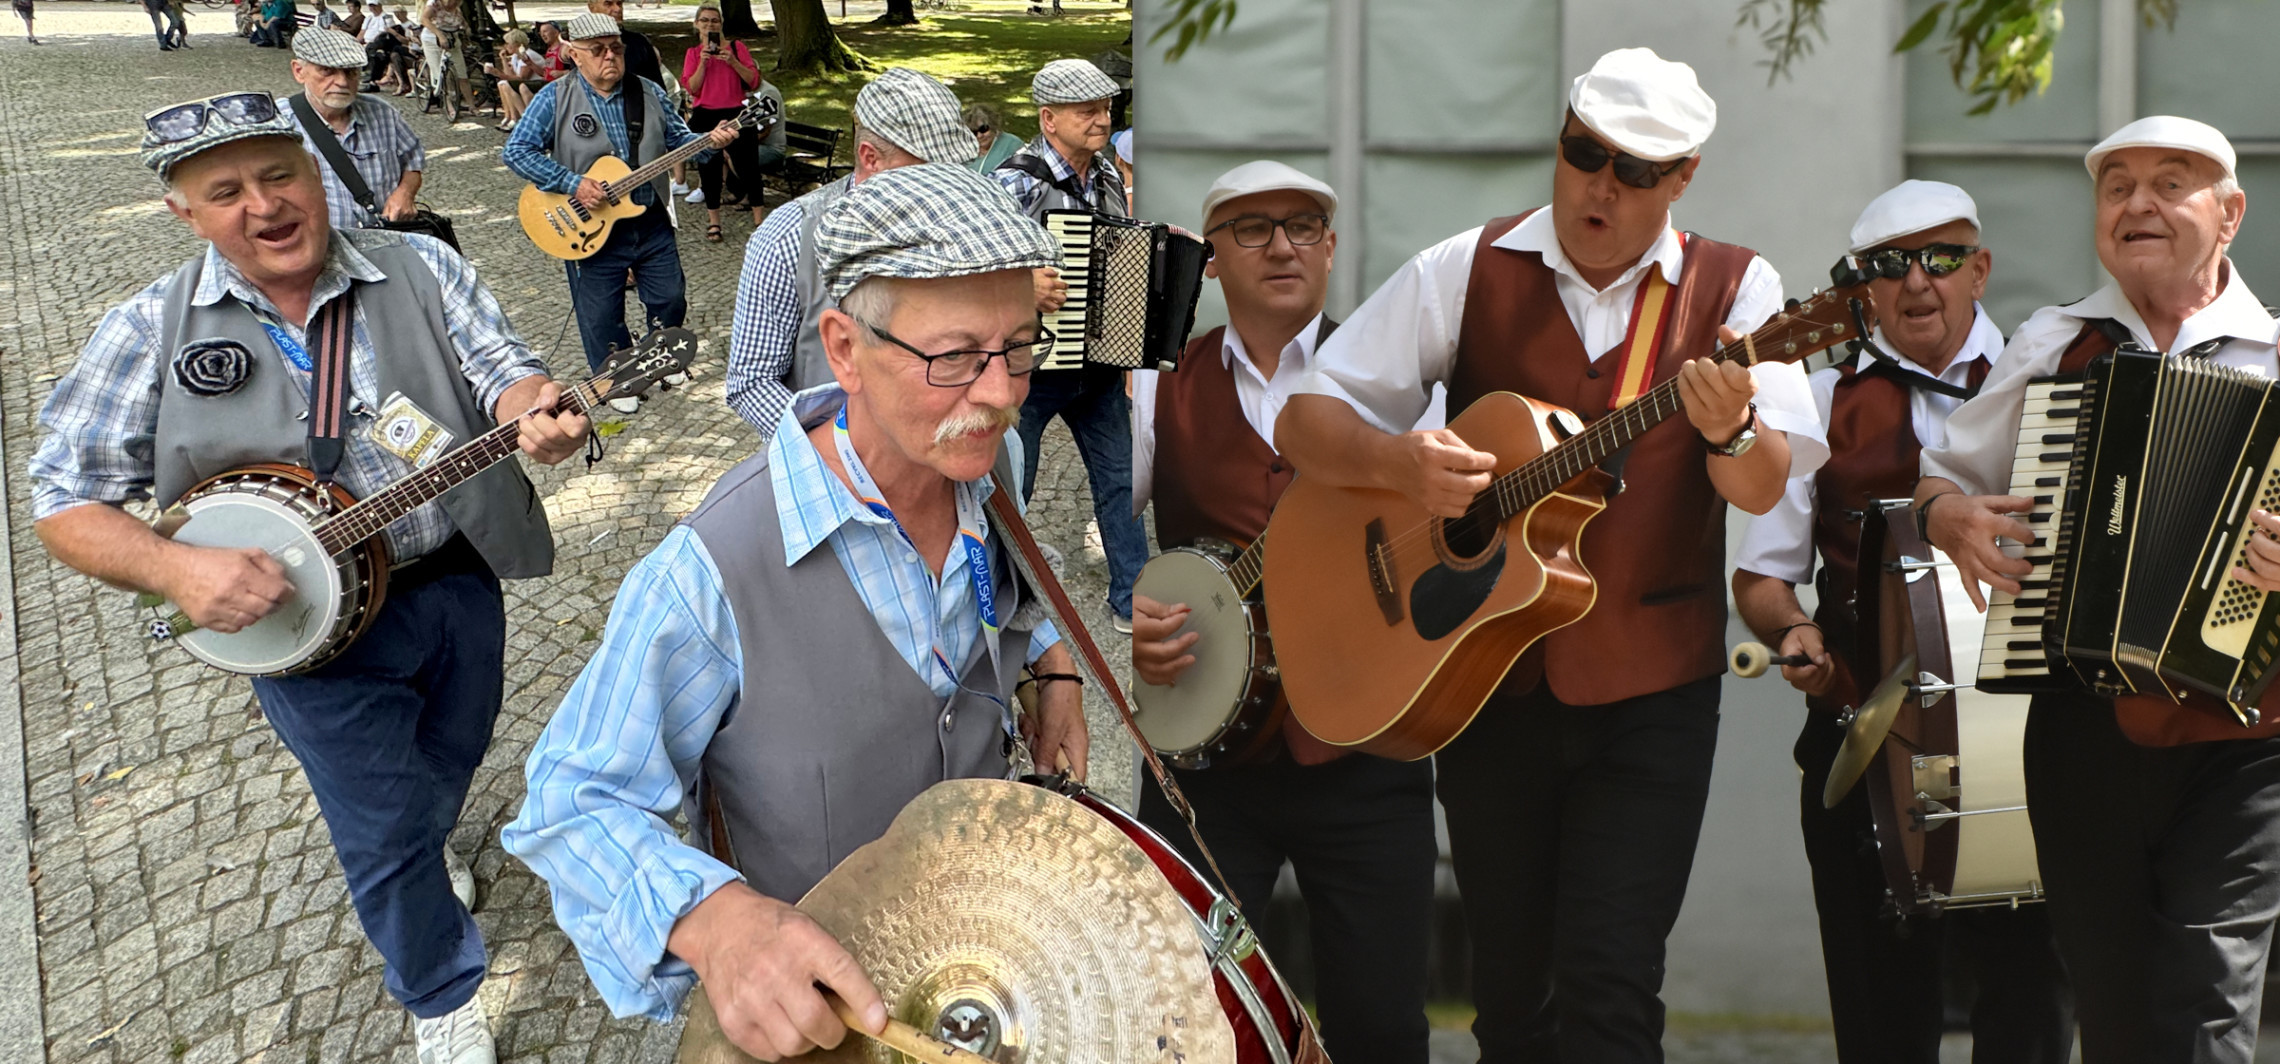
x=292 y=348
x=971 y=521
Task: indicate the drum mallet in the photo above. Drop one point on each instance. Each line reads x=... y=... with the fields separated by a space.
x=904 y=1038
x=1750 y=660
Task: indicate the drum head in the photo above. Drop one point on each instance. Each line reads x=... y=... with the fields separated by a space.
x=299 y=625
x=1191 y=713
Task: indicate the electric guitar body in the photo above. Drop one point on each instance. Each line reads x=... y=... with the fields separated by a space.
x=566 y=229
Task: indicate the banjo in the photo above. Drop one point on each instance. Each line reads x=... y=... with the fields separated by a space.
x=1228 y=707
x=328 y=541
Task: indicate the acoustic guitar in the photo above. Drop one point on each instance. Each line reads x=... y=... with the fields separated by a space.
x=567 y=229
x=1393 y=626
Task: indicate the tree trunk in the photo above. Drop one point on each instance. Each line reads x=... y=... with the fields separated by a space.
x=736 y=18
x=899 y=13
x=805 y=42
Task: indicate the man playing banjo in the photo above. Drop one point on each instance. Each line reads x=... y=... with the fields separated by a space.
x=208 y=370
x=831 y=632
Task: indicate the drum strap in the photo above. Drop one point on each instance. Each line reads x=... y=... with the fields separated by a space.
x=332 y=338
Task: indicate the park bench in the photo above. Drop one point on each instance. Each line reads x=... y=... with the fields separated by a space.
x=808 y=154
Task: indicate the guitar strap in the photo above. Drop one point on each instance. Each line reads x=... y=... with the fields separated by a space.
x=331 y=337
x=328 y=146
x=634 y=99
x=1642 y=347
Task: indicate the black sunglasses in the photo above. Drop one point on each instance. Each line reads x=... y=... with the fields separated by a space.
x=181 y=122
x=955 y=369
x=1939 y=259
x=1589 y=155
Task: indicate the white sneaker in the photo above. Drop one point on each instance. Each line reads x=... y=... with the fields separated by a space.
x=463 y=1037
x=627 y=405
x=462 y=877
x=676 y=379
x=696 y=195
x=680 y=189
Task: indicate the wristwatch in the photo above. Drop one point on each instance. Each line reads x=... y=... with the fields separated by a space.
x=1742 y=441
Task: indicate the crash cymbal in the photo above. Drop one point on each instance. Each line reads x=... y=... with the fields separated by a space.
x=1870 y=724
x=1010 y=921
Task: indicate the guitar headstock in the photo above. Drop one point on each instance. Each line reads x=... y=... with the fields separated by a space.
x=659 y=355
x=1826 y=319
x=760 y=109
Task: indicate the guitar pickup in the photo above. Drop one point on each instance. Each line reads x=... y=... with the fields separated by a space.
x=1383 y=583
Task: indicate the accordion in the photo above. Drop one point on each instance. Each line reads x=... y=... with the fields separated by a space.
x=2143 y=474
x=1132 y=291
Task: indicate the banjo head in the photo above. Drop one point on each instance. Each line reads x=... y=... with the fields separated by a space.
x=1196 y=711
x=301 y=625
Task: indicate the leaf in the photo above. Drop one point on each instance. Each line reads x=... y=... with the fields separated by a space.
x=1922 y=29
x=607 y=429
x=118 y=773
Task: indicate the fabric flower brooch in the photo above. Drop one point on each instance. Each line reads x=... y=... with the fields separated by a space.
x=212 y=367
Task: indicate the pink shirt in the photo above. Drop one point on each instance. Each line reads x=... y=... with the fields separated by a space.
x=723 y=87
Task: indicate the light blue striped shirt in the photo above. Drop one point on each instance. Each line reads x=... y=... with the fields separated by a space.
x=612 y=767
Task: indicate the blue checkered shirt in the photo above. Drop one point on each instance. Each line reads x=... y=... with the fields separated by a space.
x=384 y=149
x=530 y=148
x=766 y=325
x=1030 y=192
x=102 y=421
x=627 y=742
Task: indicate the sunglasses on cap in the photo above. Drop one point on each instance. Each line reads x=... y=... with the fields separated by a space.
x=1939 y=260
x=1589 y=155
x=184 y=121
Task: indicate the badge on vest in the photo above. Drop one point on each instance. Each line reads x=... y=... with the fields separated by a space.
x=212 y=367
x=584 y=125
x=406 y=431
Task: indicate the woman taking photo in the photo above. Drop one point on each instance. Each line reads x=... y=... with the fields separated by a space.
x=718 y=73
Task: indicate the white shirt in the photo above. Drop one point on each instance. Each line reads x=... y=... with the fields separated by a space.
x=1982 y=438
x=1260 y=397
x=376 y=26
x=1779 y=542
x=1403 y=340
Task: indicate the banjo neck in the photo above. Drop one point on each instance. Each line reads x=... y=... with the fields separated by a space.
x=1249 y=567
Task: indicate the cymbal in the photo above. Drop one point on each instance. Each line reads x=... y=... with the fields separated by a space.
x=1010 y=921
x=1870 y=724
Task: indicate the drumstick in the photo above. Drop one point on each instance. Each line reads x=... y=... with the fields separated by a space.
x=1752 y=659
x=904 y=1037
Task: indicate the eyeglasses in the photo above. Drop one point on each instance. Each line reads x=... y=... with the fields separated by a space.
x=602 y=49
x=184 y=121
x=1939 y=259
x=1589 y=155
x=979 y=130
x=1252 y=231
x=955 y=369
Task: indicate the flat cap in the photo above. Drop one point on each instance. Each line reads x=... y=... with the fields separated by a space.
x=329 y=48
x=927 y=221
x=2166 y=131
x=917 y=114
x=590 y=25
x=1644 y=104
x=1266 y=175
x=1911 y=207
x=172 y=134
x=1070 y=81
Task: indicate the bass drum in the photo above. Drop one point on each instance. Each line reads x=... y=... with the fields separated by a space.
x=1948 y=788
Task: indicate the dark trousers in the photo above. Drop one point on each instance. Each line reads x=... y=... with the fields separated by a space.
x=751 y=157
x=643 y=244
x=2160 y=864
x=1885 y=972
x=273 y=33
x=171 y=33
x=1573 y=831
x=389 y=735
x=1091 y=401
x=1358 y=832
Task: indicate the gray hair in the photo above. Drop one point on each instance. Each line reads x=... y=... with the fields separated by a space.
x=871 y=301
x=981 y=114
x=879 y=143
x=704 y=6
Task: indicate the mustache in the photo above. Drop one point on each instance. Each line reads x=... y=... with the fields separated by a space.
x=971 y=422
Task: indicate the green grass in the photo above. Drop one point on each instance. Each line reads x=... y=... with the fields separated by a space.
x=985 y=51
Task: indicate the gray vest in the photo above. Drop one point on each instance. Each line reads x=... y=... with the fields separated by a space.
x=832 y=732
x=200 y=436
x=809 y=366
x=1103 y=170
x=579 y=150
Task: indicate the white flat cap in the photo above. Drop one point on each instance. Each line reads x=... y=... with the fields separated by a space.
x=329 y=48
x=1070 y=81
x=1645 y=104
x=590 y=25
x=1266 y=175
x=917 y=114
x=2166 y=131
x=1911 y=207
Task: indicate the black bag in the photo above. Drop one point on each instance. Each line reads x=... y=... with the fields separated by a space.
x=423 y=221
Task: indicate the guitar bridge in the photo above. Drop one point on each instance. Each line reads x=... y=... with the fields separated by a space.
x=1382 y=577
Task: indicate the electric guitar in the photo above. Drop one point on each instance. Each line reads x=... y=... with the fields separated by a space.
x=567 y=229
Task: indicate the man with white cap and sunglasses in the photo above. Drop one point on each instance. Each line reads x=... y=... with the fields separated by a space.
x=1933 y=344
x=2157 y=826
x=384 y=152
x=209 y=370
x=1357 y=830
x=775 y=348
x=1575 y=798
x=835 y=629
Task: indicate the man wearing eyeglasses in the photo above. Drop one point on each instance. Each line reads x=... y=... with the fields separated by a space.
x=570 y=125
x=209 y=371
x=1575 y=798
x=835 y=629
x=1357 y=830
x=1933 y=347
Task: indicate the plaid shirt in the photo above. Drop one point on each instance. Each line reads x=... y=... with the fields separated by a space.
x=766 y=326
x=102 y=421
x=530 y=148
x=384 y=149
x=1100 y=187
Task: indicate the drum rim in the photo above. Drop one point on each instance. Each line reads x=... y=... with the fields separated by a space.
x=1254 y=671
x=277 y=498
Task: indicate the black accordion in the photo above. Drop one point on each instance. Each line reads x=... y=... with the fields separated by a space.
x=1132 y=291
x=2143 y=474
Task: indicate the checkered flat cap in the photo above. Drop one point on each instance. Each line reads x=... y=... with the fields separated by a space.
x=227 y=117
x=328 y=48
x=917 y=114
x=1070 y=81
x=590 y=25
x=927 y=221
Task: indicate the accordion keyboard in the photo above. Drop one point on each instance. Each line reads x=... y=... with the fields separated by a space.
x=2013 y=647
x=1073 y=231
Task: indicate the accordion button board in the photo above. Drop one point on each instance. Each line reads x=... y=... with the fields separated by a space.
x=1132 y=292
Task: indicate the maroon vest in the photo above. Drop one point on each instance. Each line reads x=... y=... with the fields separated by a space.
x=1659 y=552
x=1215 y=477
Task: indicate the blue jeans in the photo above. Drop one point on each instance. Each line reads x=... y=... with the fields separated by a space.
x=1091 y=402
x=645 y=245
x=389 y=734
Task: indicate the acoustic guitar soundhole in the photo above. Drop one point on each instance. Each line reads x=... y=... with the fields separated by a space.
x=1471 y=560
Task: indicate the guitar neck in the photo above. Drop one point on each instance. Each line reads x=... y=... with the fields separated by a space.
x=663 y=163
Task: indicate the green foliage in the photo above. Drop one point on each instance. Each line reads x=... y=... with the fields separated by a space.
x=1787 y=28
x=1192 y=22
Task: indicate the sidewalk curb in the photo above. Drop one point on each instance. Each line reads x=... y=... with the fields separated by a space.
x=22 y=1026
